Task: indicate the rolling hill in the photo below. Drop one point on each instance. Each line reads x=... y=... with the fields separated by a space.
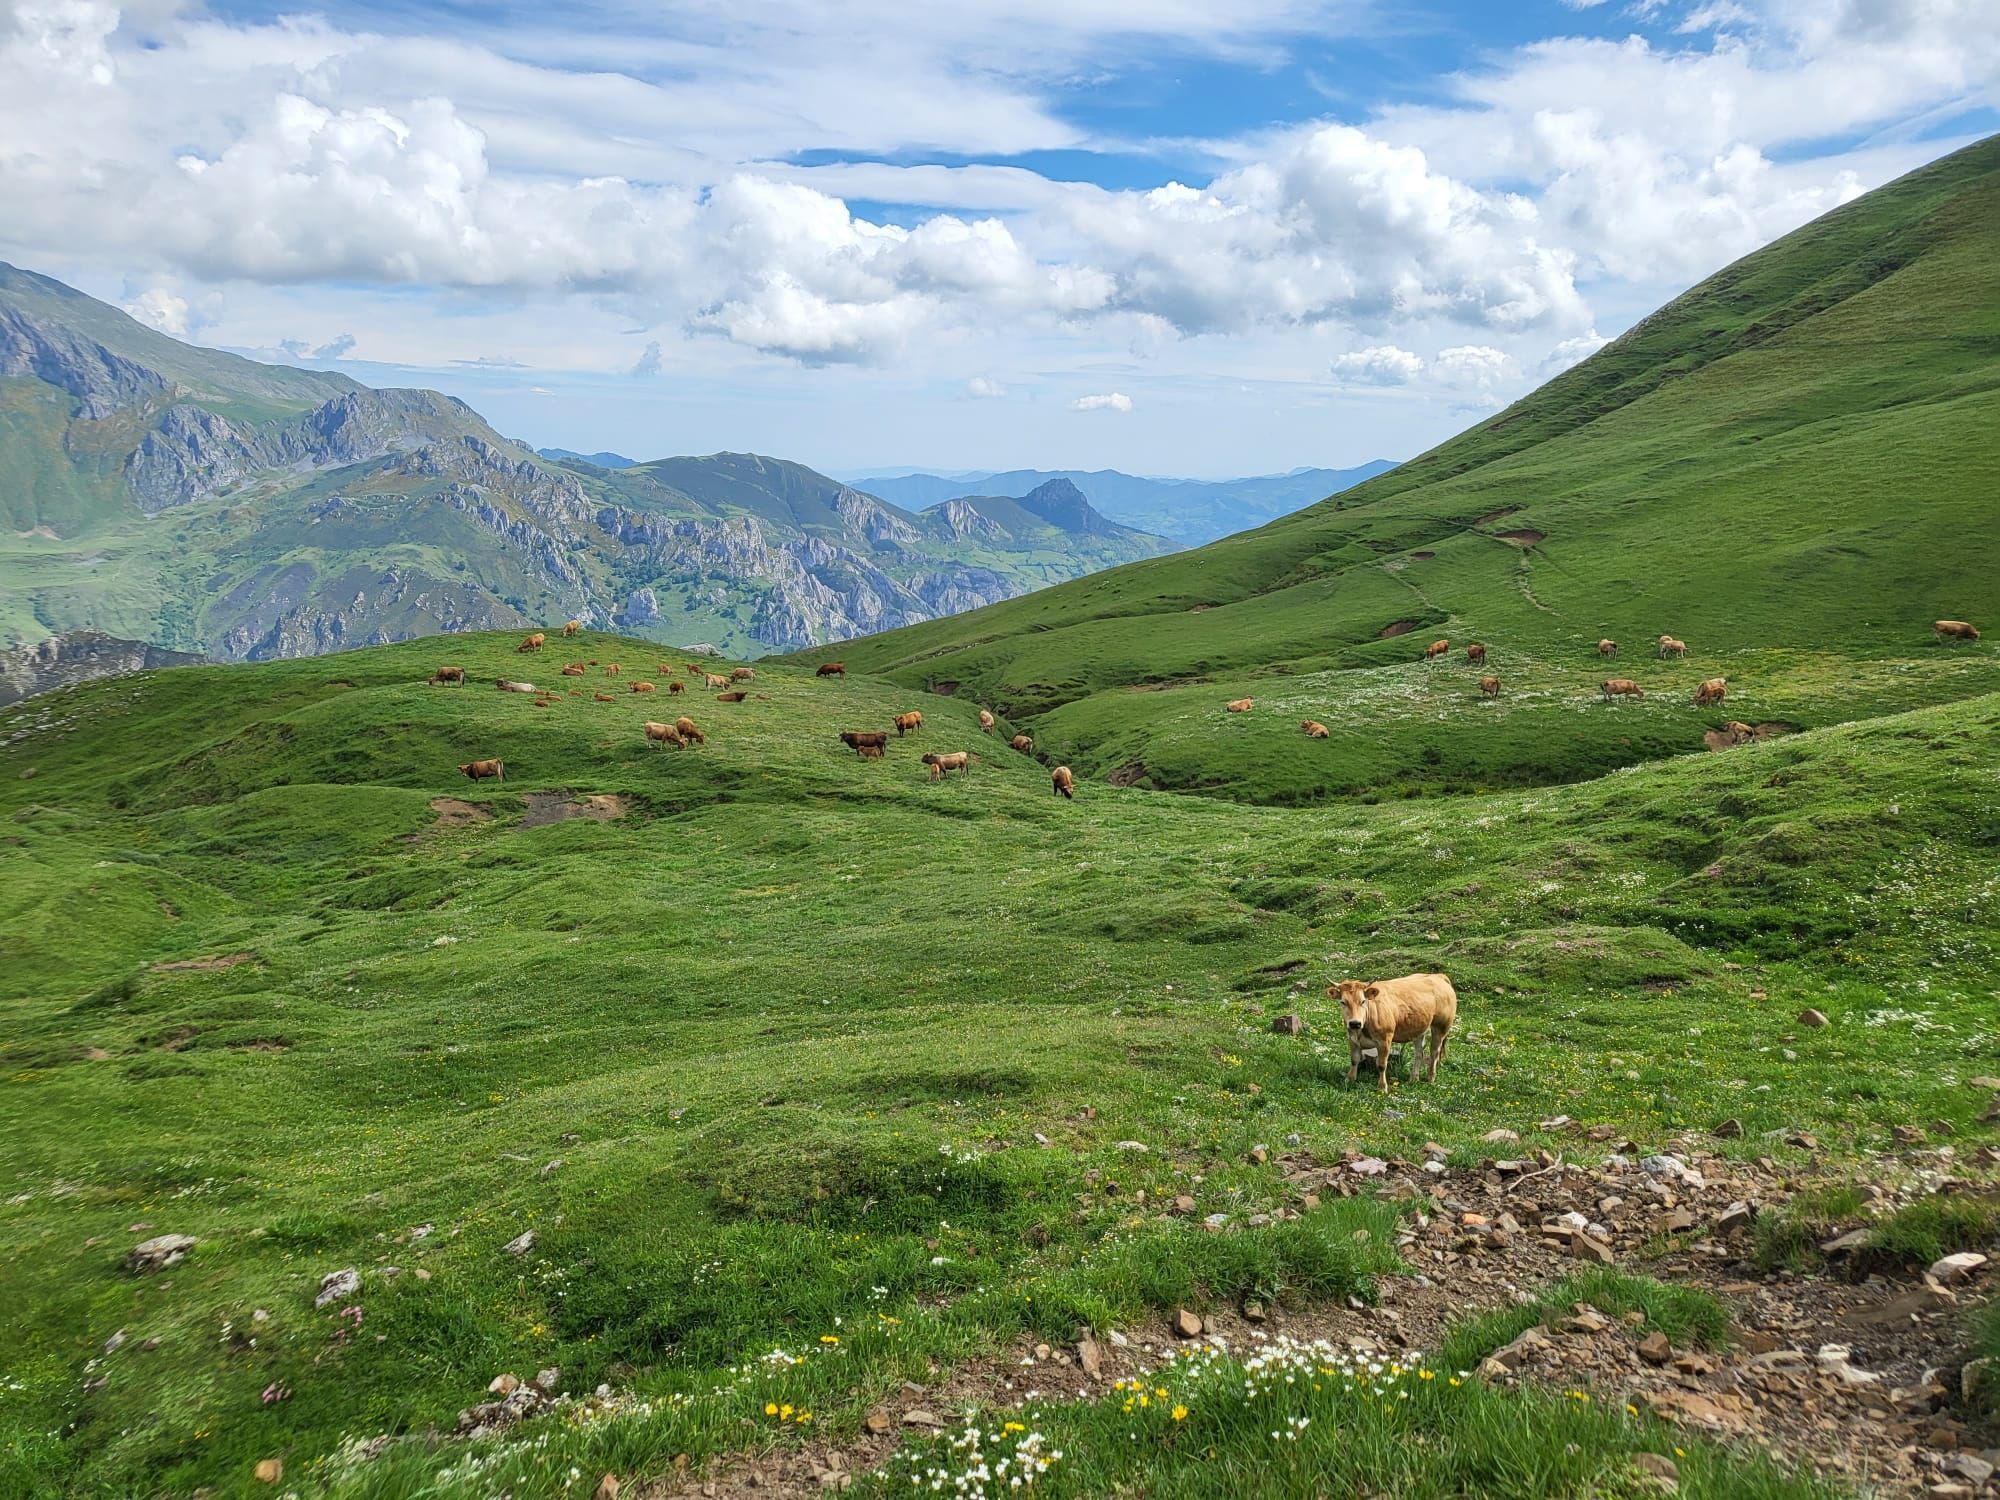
x=1791 y=467
x=166 y=494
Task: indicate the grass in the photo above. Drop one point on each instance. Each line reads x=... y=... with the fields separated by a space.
x=734 y=1061
x=1686 y=1315
x=1906 y=1239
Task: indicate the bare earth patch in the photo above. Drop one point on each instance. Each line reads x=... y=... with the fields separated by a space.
x=1394 y=628
x=1130 y=774
x=1526 y=536
x=559 y=807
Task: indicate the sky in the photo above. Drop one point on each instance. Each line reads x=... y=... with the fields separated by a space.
x=1167 y=236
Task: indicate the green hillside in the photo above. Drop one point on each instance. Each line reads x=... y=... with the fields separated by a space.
x=766 y=1060
x=1792 y=468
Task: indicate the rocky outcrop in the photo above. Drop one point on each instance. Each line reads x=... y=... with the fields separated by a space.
x=79 y=656
x=102 y=382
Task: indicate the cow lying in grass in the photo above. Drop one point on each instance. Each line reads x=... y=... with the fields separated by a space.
x=1313 y=728
x=1386 y=1011
x=514 y=687
x=1241 y=705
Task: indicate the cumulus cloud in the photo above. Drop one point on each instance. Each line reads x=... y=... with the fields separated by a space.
x=1383 y=364
x=1109 y=401
x=159 y=308
x=650 y=362
x=984 y=388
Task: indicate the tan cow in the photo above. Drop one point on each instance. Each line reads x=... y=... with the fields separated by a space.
x=957 y=760
x=479 y=770
x=985 y=722
x=645 y=687
x=1062 y=783
x=514 y=687
x=1475 y=654
x=1388 y=1011
x=1490 y=686
x=908 y=723
x=741 y=674
x=870 y=752
x=1436 y=649
x=1956 y=630
x=717 y=682
x=572 y=627
x=1712 y=691
x=1607 y=648
x=604 y=697
x=574 y=669
x=689 y=732
x=1622 y=687
x=1241 y=705
x=665 y=734
x=534 y=642
x=1313 y=728
x=612 y=669
x=1671 y=647
x=1023 y=743
x=448 y=674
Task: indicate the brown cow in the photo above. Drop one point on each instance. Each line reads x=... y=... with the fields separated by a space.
x=736 y=697
x=1436 y=649
x=572 y=627
x=958 y=760
x=644 y=687
x=985 y=722
x=1607 y=648
x=1023 y=743
x=1622 y=687
x=831 y=669
x=676 y=686
x=1241 y=705
x=1490 y=686
x=612 y=669
x=1396 y=1010
x=479 y=770
x=664 y=734
x=448 y=674
x=908 y=722
x=689 y=732
x=1956 y=630
x=717 y=682
x=695 y=669
x=574 y=669
x=514 y=687
x=870 y=752
x=604 y=697
x=1062 y=783
x=741 y=674
x=1475 y=653
x=1712 y=691
x=1313 y=728
x=861 y=739
x=1671 y=647
x=534 y=642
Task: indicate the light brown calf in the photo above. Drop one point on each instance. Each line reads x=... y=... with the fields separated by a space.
x=1313 y=728
x=479 y=770
x=1622 y=687
x=1712 y=691
x=717 y=682
x=1023 y=743
x=644 y=687
x=1671 y=647
x=572 y=627
x=575 y=669
x=612 y=669
x=985 y=722
x=604 y=697
x=1388 y=1011
x=1607 y=648
x=1241 y=705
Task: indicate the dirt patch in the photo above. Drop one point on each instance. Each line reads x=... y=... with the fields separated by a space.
x=1423 y=556
x=1495 y=515
x=341 y=683
x=560 y=807
x=1130 y=774
x=1395 y=627
x=947 y=689
x=1526 y=536
x=1164 y=684
x=219 y=961
x=454 y=813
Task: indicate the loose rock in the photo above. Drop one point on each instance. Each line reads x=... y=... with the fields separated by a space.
x=336 y=1285
x=159 y=1252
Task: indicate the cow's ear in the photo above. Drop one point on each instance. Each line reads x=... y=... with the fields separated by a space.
x=1333 y=992
x=1371 y=992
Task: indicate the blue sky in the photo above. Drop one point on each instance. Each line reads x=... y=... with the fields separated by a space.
x=1159 y=235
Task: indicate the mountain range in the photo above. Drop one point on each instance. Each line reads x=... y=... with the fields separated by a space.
x=198 y=501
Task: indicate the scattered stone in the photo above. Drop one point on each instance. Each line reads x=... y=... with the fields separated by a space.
x=1590 y=1247
x=158 y=1253
x=1976 y=1379
x=1735 y=1218
x=1841 y=1244
x=1835 y=1361
x=1659 y=1467
x=1090 y=1358
x=1970 y=1466
x=1287 y=1025
x=878 y=1422
x=503 y=1385
x=1729 y=1130
x=554 y=1166
x=335 y=1286
x=916 y=1416
x=116 y=1342
x=1183 y=1203
x=1368 y=1166
x=547 y=1380
x=521 y=1244
x=607 y=1488
x=270 y=1470
x=1803 y=1140
x=1253 y=1311
x=1956 y=1267
x=1259 y=1155
x=1186 y=1325
x=1813 y=1019
x=1501 y=1137
x=1907 y=1135
x=1587 y=1320
x=1656 y=1348
x=1984 y=1082
x=1131 y=1146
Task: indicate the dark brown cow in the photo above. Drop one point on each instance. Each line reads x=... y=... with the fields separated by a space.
x=479 y=770
x=676 y=686
x=732 y=697
x=831 y=669
x=1475 y=653
x=861 y=739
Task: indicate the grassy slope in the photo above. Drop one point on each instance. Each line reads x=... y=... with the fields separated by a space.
x=1794 y=457
x=751 y=1023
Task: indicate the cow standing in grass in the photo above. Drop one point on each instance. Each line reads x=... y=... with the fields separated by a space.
x=1388 y=1011
x=1955 y=630
x=1063 y=783
x=1622 y=687
x=1712 y=691
x=1436 y=649
x=1489 y=687
x=448 y=674
x=1607 y=648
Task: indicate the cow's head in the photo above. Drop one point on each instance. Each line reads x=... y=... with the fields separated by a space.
x=1354 y=996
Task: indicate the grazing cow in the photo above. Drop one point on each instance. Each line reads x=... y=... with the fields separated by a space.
x=1622 y=687
x=1490 y=686
x=696 y=669
x=534 y=642
x=1475 y=653
x=870 y=752
x=985 y=722
x=1313 y=728
x=574 y=669
x=664 y=734
x=1396 y=1010
x=1607 y=648
x=644 y=687
x=572 y=627
x=448 y=674
x=734 y=697
x=1062 y=783
x=717 y=682
x=831 y=669
x=861 y=739
x=1023 y=743
x=907 y=722
x=1241 y=705
x=676 y=686
x=1671 y=647
x=689 y=733
x=479 y=770
x=1730 y=735
x=941 y=765
x=741 y=674
x=514 y=687
x=1712 y=691
x=612 y=669
x=1436 y=649
x=1956 y=630
x=604 y=697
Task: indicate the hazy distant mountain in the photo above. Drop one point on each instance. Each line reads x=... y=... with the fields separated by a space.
x=194 y=500
x=1190 y=511
x=604 y=460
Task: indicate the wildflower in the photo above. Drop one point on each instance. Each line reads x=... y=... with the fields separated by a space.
x=1180 y=1413
x=770 y=1408
x=828 y=1338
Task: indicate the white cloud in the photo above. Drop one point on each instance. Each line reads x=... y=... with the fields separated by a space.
x=1383 y=364
x=159 y=308
x=651 y=361
x=984 y=388
x=1570 y=352
x=1109 y=401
